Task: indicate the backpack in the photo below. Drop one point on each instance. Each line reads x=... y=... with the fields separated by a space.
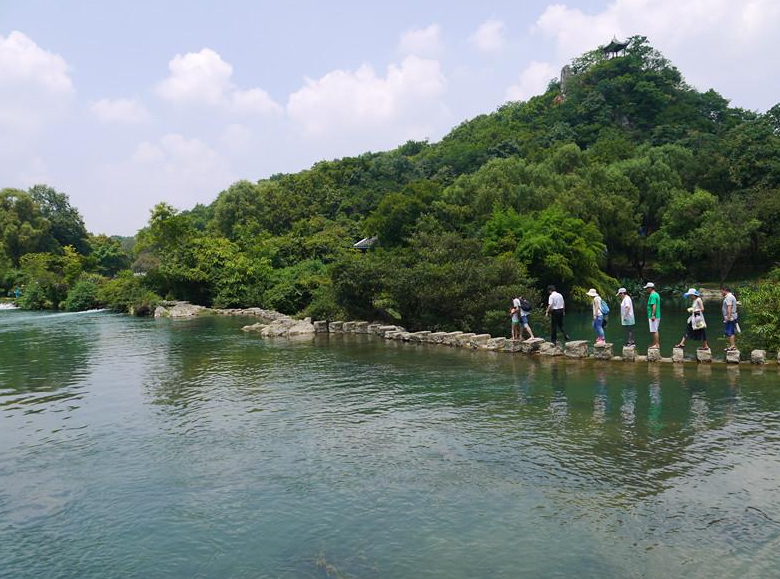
x=525 y=305
x=604 y=308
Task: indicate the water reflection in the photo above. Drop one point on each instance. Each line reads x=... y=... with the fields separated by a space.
x=216 y=453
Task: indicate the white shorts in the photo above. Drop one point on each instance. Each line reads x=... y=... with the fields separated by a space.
x=654 y=324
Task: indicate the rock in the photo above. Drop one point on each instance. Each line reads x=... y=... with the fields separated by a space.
x=463 y=340
x=495 y=344
x=254 y=327
x=451 y=338
x=374 y=328
x=420 y=336
x=361 y=327
x=602 y=351
x=641 y=358
x=531 y=345
x=436 y=337
x=320 y=327
x=286 y=328
x=678 y=355
x=384 y=329
x=336 y=327
x=349 y=328
x=732 y=356
x=629 y=353
x=654 y=354
x=576 y=349
x=176 y=310
x=666 y=361
x=704 y=356
x=513 y=346
x=758 y=357
x=479 y=341
x=550 y=349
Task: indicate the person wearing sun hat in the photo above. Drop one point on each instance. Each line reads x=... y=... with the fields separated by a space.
x=627 y=315
x=696 y=327
x=653 y=313
x=598 y=315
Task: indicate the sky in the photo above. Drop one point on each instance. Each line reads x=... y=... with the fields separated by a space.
x=126 y=104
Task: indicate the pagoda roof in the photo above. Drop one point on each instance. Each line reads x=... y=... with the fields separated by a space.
x=615 y=45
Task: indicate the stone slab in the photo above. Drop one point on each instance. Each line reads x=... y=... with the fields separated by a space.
x=495 y=343
x=336 y=327
x=704 y=356
x=653 y=354
x=678 y=355
x=479 y=341
x=602 y=351
x=732 y=356
x=513 y=346
x=361 y=327
x=629 y=353
x=758 y=357
x=550 y=349
x=576 y=349
x=531 y=345
x=320 y=327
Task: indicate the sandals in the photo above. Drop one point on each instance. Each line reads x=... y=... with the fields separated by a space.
x=681 y=345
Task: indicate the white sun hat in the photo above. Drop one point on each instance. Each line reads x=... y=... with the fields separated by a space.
x=592 y=293
x=649 y=285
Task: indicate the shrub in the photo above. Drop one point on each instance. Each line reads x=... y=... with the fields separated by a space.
x=127 y=293
x=762 y=329
x=35 y=297
x=82 y=296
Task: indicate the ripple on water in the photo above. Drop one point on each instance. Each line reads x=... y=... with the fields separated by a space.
x=149 y=448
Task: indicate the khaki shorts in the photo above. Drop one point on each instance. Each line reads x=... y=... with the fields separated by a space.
x=654 y=324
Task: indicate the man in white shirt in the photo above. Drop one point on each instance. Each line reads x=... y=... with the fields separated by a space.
x=556 y=309
x=627 y=315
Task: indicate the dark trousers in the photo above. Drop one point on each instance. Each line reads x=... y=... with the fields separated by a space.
x=556 y=323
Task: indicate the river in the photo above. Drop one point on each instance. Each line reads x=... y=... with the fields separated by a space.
x=165 y=449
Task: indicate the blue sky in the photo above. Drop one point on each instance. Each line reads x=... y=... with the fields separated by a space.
x=122 y=105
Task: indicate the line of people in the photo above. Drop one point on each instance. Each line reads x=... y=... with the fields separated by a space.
x=696 y=325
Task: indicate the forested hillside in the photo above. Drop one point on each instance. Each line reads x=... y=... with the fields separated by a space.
x=626 y=172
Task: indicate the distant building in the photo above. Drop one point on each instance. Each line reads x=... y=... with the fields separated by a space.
x=615 y=49
x=365 y=244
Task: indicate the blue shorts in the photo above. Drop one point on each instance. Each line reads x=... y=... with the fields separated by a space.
x=730 y=328
x=524 y=320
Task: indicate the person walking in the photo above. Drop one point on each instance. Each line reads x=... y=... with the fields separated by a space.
x=627 y=316
x=598 y=315
x=525 y=312
x=730 y=316
x=654 y=313
x=696 y=327
x=556 y=309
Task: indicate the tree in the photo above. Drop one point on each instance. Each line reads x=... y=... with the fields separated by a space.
x=107 y=255
x=23 y=229
x=67 y=226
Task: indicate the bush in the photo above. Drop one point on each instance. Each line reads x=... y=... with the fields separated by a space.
x=82 y=296
x=762 y=329
x=35 y=297
x=127 y=293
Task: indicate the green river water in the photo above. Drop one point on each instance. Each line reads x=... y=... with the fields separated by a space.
x=134 y=448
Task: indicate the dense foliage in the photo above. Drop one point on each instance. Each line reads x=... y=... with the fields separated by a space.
x=624 y=172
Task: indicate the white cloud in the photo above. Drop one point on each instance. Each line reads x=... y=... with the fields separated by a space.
x=179 y=170
x=347 y=100
x=35 y=86
x=422 y=41
x=128 y=111
x=533 y=81
x=237 y=138
x=254 y=100
x=714 y=42
x=204 y=78
x=196 y=77
x=489 y=36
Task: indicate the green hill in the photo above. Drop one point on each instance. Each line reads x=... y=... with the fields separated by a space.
x=623 y=172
